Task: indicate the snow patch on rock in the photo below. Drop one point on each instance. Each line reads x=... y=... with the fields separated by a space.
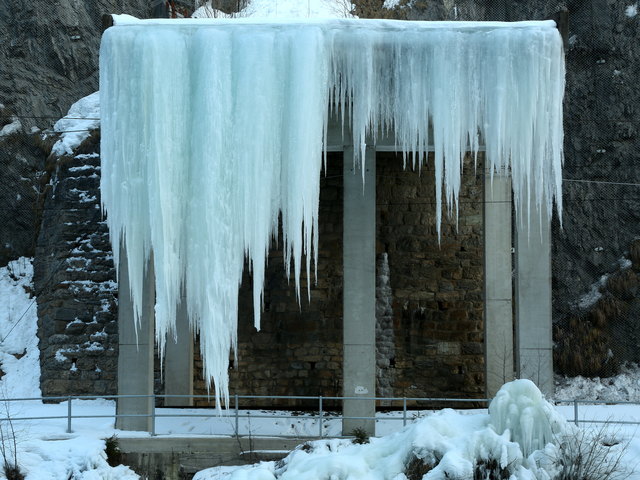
x=631 y=11
x=83 y=116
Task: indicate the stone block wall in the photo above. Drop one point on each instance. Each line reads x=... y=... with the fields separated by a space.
x=75 y=278
x=437 y=285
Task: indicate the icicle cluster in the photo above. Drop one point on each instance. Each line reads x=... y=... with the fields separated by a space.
x=532 y=421
x=213 y=130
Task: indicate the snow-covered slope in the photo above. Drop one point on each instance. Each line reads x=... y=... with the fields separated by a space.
x=74 y=128
x=19 y=354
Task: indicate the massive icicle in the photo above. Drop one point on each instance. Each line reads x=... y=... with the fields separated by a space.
x=212 y=130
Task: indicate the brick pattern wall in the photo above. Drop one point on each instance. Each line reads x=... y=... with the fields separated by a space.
x=437 y=285
x=75 y=277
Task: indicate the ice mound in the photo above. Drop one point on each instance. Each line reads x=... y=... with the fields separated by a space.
x=520 y=408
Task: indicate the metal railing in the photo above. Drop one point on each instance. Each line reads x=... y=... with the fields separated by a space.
x=576 y=414
x=321 y=416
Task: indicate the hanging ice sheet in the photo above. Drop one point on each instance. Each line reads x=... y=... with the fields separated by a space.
x=213 y=129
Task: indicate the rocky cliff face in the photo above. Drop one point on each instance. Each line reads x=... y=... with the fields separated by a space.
x=22 y=178
x=49 y=53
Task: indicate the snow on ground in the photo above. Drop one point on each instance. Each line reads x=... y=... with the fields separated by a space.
x=389 y=4
x=12 y=127
x=523 y=435
x=19 y=354
x=298 y=8
x=44 y=449
x=83 y=116
x=621 y=388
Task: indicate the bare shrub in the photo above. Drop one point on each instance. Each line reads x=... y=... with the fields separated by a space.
x=376 y=9
x=490 y=469
x=634 y=254
x=415 y=468
x=9 y=447
x=360 y=436
x=581 y=348
x=112 y=449
x=624 y=285
x=592 y=455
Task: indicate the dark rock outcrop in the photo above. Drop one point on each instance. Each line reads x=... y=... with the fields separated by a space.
x=22 y=174
x=49 y=53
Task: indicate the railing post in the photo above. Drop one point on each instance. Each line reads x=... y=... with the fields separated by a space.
x=404 y=411
x=575 y=412
x=237 y=419
x=69 y=414
x=153 y=415
x=320 y=416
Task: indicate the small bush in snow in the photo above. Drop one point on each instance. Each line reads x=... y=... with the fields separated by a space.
x=9 y=449
x=112 y=450
x=490 y=470
x=591 y=455
x=416 y=468
x=360 y=436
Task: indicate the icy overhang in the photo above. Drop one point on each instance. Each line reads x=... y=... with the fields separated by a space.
x=212 y=130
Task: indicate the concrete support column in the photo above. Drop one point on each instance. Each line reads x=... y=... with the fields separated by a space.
x=135 y=354
x=359 y=291
x=178 y=361
x=534 y=344
x=498 y=315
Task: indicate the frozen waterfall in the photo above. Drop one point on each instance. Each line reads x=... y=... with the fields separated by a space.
x=213 y=130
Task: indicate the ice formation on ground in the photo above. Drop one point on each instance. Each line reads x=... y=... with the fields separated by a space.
x=454 y=445
x=532 y=422
x=213 y=130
